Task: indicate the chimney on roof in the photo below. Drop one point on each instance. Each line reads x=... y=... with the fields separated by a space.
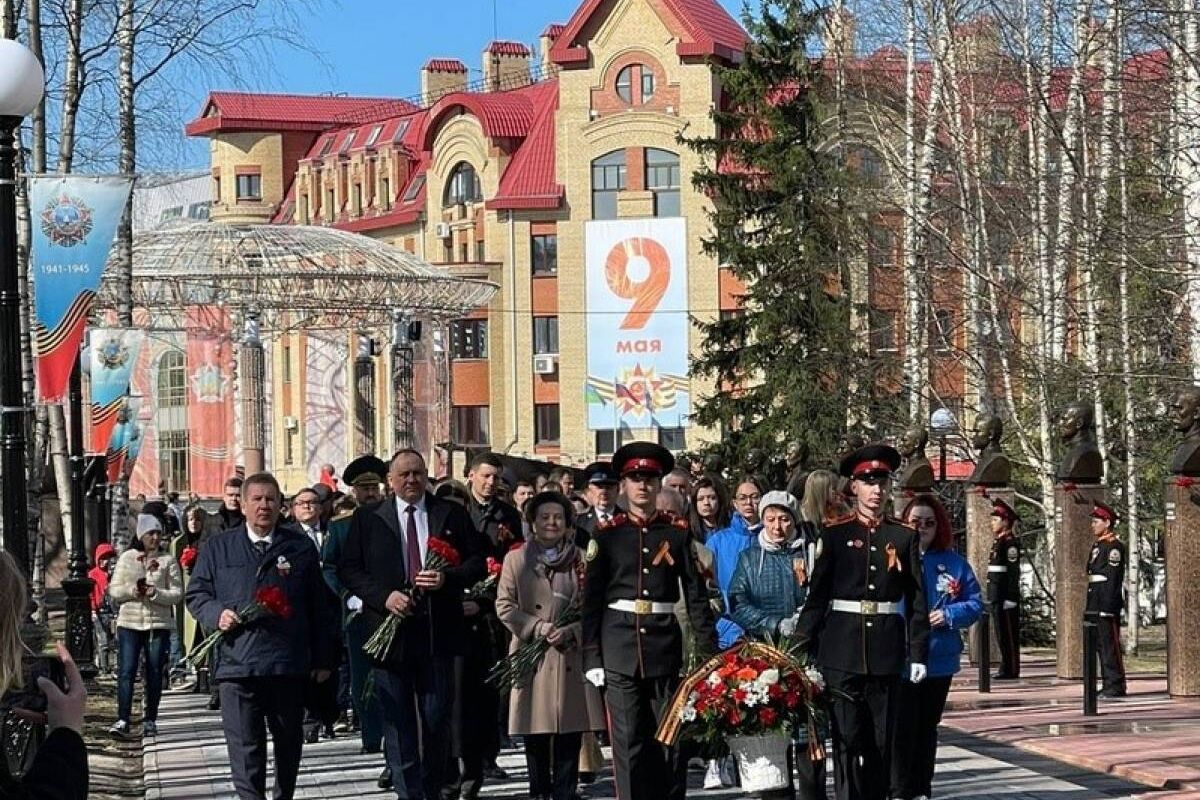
x=505 y=66
x=546 y=41
x=840 y=30
x=440 y=77
x=979 y=43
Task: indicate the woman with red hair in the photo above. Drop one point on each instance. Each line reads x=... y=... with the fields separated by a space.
x=955 y=601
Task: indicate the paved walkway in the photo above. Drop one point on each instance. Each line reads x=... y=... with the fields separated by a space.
x=187 y=761
x=1145 y=737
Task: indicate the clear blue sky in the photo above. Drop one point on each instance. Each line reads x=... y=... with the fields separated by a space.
x=377 y=47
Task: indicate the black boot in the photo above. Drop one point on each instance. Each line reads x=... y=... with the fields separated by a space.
x=385 y=778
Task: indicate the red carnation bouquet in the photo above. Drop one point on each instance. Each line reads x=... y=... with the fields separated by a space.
x=269 y=601
x=439 y=555
x=493 y=575
x=187 y=559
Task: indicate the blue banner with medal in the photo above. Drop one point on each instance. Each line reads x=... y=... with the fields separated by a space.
x=74 y=220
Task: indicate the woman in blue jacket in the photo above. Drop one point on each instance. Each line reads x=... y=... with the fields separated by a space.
x=769 y=585
x=955 y=601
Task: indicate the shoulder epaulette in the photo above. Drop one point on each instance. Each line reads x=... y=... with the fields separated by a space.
x=842 y=519
x=675 y=520
x=894 y=521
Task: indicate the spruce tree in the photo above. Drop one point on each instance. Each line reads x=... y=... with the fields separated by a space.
x=786 y=365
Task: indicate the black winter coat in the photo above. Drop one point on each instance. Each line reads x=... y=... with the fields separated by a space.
x=372 y=567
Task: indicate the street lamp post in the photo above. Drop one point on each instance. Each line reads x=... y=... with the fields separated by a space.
x=402 y=381
x=21 y=85
x=78 y=586
x=252 y=376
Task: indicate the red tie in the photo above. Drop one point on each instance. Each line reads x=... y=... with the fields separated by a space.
x=413 y=547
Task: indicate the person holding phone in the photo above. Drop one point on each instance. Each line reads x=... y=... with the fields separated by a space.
x=147 y=584
x=59 y=770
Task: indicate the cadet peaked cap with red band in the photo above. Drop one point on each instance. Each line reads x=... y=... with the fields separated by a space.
x=644 y=458
x=874 y=459
x=1105 y=513
x=1004 y=511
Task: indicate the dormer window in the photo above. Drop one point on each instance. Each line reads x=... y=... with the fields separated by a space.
x=374 y=137
x=326 y=146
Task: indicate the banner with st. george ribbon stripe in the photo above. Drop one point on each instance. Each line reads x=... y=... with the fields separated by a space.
x=114 y=351
x=74 y=220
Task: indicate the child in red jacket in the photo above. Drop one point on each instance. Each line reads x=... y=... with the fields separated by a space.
x=104 y=613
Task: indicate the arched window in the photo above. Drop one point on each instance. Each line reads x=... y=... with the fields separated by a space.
x=662 y=178
x=172 y=380
x=171 y=421
x=463 y=186
x=608 y=178
x=635 y=84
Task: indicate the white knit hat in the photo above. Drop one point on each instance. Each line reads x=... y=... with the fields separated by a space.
x=784 y=500
x=147 y=523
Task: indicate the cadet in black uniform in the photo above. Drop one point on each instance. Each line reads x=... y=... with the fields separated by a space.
x=632 y=644
x=1106 y=598
x=864 y=620
x=1004 y=588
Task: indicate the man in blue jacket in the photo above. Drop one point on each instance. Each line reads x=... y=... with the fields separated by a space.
x=265 y=662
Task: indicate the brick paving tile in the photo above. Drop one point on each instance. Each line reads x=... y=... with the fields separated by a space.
x=187 y=761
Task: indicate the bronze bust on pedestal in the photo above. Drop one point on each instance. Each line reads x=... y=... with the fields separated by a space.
x=916 y=474
x=1187 y=421
x=1082 y=462
x=993 y=467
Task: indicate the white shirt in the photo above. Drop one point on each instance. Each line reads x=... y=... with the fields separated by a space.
x=603 y=515
x=255 y=538
x=312 y=533
x=422 y=519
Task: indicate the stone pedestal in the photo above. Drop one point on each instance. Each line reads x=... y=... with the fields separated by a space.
x=979 y=548
x=1074 y=509
x=901 y=500
x=1182 y=496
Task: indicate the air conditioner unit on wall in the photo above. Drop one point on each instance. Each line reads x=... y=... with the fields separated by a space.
x=443 y=230
x=545 y=365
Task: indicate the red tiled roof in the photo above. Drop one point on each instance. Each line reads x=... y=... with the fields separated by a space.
x=529 y=181
x=503 y=48
x=503 y=115
x=707 y=30
x=445 y=65
x=231 y=111
x=553 y=30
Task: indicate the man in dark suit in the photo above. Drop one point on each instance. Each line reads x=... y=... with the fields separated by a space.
x=477 y=708
x=602 y=490
x=266 y=662
x=383 y=563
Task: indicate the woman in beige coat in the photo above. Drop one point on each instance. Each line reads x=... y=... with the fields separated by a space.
x=556 y=706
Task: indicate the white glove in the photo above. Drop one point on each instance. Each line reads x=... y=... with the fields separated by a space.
x=354 y=603
x=595 y=677
x=916 y=673
x=1008 y=604
x=787 y=626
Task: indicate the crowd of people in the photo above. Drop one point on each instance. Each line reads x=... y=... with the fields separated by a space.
x=619 y=585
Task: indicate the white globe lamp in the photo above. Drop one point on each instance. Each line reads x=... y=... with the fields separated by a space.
x=22 y=80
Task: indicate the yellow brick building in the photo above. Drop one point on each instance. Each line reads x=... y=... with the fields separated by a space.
x=500 y=180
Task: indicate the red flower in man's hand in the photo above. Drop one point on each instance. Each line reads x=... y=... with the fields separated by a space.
x=493 y=566
x=187 y=559
x=953 y=587
x=274 y=601
x=444 y=551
